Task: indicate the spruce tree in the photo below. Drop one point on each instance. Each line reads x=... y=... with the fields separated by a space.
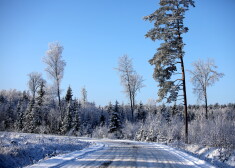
x=102 y=120
x=67 y=122
x=25 y=96
x=165 y=113
x=37 y=114
x=41 y=94
x=29 y=118
x=10 y=117
x=169 y=28
x=115 y=122
x=2 y=99
x=76 y=119
x=110 y=108
x=141 y=113
x=69 y=95
x=20 y=116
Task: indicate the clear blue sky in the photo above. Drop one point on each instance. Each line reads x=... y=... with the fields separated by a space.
x=95 y=33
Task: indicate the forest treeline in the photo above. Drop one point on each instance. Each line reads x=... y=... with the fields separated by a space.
x=20 y=112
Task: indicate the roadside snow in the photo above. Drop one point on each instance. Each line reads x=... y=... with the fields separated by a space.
x=63 y=159
x=224 y=158
x=21 y=149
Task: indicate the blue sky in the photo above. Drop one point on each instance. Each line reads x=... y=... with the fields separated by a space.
x=95 y=33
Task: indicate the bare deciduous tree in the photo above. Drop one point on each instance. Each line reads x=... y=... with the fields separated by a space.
x=131 y=81
x=84 y=95
x=203 y=75
x=35 y=79
x=55 y=65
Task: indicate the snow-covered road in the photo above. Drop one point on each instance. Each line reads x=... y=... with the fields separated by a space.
x=126 y=154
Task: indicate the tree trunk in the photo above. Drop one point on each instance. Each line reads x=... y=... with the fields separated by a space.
x=132 y=110
x=130 y=95
x=183 y=82
x=58 y=95
x=206 y=104
x=133 y=102
x=185 y=99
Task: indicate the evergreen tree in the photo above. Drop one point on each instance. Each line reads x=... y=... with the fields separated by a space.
x=37 y=114
x=2 y=99
x=25 y=96
x=20 y=116
x=69 y=95
x=76 y=120
x=115 y=122
x=165 y=113
x=141 y=113
x=10 y=117
x=29 y=118
x=38 y=107
x=110 y=108
x=102 y=120
x=41 y=93
x=67 y=122
x=175 y=110
x=169 y=28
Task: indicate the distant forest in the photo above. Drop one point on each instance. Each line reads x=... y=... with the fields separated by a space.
x=20 y=112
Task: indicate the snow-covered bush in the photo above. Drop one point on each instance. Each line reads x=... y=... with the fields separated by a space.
x=218 y=132
x=100 y=132
x=129 y=129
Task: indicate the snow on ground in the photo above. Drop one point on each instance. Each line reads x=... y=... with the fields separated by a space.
x=221 y=157
x=60 y=160
x=21 y=149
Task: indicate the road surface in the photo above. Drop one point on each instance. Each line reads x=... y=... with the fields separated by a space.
x=124 y=154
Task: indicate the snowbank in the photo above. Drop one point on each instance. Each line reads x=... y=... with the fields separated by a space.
x=20 y=149
x=224 y=158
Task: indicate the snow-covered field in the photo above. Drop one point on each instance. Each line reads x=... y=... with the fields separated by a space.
x=20 y=149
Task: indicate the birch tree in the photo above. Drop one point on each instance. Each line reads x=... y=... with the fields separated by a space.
x=131 y=81
x=84 y=95
x=55 y=65
x=169 y=28
x=35 y=80
x=203 y=75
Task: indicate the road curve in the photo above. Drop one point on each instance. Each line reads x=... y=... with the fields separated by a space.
x=125 y=154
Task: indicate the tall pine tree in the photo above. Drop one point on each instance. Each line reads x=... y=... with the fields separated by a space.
x=169 y=28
